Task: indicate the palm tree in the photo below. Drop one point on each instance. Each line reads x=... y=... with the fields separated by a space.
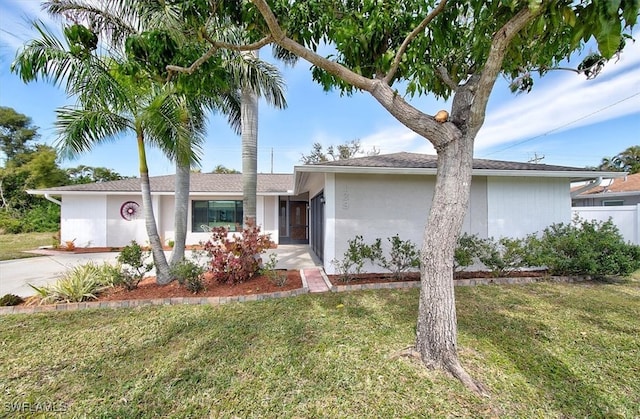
x=110 y=103
x=245 y=75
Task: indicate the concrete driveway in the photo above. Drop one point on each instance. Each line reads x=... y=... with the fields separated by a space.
x=15 y=275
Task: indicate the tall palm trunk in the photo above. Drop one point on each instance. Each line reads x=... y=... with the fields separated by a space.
x=249 y=127
x=182 y=180
x=162 y=267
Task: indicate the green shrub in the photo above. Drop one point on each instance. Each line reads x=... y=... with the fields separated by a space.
x=237 y=258
x=133 y=264
x=353 y=259
x=189 y=274
x=10 y=300
x=583 y=248
x=80 y=283
x=467 y=251
x=10 y=222
x=41 y=218
x=502 y=256
x=403 y=256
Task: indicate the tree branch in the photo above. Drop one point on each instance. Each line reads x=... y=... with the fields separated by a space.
x=493 y=65
x=196 y=64
x=414 y=33
x=280 y=38
x=446 y=78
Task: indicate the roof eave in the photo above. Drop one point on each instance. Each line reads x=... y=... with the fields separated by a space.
x=575 y=176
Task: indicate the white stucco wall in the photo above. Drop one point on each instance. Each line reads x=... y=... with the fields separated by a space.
x=84 y=219
x=121 y=232
x=381 y=206
x=518 y=206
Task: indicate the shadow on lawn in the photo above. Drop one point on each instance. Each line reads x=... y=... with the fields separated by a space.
x=528 y=345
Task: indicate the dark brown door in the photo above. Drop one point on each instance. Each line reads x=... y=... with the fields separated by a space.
x=298 y=220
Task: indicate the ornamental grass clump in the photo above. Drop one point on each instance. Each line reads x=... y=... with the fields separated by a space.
x=235 y=258
x=80 y=283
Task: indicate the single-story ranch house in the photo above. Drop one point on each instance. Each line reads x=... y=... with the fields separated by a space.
x=327 y=204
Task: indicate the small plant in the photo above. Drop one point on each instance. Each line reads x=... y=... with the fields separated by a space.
x=70 y=245
x=467 y=251
x=132 y=259
x=55 y=240
x=276 y=277
x=502 y=256
x=235 y=259
x=80 y=283
x=189 y=274
x=171 y=243
x=10 y=300
x=403 y=256
x=353 y=259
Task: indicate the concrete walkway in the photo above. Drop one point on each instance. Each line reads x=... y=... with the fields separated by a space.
x=15 y=275
x=316 y=280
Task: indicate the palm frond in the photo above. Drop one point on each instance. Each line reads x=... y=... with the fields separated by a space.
x=79 y=130
x=115 y=19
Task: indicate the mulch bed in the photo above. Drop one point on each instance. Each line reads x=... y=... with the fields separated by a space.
x=149 y=289
x=376 y=278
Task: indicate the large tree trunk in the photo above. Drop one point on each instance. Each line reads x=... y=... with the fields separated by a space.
x=249 y=127
x=183 y=175
x=163 y=275
x=436 y=340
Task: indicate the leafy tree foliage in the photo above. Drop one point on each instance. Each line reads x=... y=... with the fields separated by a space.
x=16 y=131
x=347 y=150
x=627 y=161
x=31 y=165
x=448 y=49
x=223 y=169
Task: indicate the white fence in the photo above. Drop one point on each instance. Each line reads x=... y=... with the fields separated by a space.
x=626 y=218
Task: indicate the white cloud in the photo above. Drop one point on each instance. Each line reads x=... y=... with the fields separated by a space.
x=16 y=27
x=566 y=101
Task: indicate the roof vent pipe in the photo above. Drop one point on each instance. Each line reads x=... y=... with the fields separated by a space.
x=584 y=188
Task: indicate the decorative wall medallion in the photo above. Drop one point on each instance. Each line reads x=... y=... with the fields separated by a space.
x=129 y=210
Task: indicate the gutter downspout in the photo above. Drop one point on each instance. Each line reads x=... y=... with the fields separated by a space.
x=584 y=188
x=49 y=198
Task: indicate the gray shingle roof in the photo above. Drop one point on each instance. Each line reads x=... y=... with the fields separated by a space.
x=200 y=182
x=428 y=161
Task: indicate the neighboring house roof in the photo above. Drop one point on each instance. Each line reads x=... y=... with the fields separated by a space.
x=201 y=183
x=621 y=187
x=629 y=183
x=413 y=163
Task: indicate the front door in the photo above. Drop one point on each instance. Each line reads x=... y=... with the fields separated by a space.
x=293 y=222
x=298 y=226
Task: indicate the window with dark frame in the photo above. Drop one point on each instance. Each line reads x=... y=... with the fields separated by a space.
x=206 y=215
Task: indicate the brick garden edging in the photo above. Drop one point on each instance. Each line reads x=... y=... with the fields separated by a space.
x=86 y=305
x=281 y=294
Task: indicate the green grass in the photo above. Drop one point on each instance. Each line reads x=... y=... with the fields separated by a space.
x=544 y=350
x=13 y=245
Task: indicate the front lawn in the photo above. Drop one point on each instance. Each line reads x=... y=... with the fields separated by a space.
x=12 y=246
x=544 y=350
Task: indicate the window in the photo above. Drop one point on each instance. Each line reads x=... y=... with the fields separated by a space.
x=216 y=214
x=612 y=203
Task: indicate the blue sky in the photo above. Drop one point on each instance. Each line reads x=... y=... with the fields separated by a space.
x=567 y=119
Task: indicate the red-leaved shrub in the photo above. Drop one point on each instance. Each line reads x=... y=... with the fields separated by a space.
x=236 y=258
